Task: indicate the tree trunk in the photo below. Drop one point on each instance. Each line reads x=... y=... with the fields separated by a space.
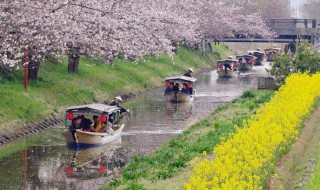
x=76 y=60
x=34 y=63
x=73 y=58
x=71 y=63
x=33 y=69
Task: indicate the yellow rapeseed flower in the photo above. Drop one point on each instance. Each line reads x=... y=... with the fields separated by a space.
x=248 y=157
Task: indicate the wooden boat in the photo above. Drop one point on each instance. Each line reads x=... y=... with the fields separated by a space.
x=271 y=53
x=178 y=96
x=80 y=138
x=259 y=57
x=245 y=62
x=227 y=68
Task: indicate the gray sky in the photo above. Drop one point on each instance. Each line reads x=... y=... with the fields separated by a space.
x=296 y=8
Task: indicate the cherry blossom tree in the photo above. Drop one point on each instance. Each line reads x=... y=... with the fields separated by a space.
x=109 y=28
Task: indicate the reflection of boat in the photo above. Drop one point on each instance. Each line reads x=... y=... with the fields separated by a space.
x=180 y=111
x=231 y=80
x=245 y=62
x=95 y=162
x=227 y=68
x=106 y=113
x=178 y=96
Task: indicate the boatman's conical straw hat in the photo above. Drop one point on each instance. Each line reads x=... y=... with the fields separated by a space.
x=118 y=98
x=190 y=69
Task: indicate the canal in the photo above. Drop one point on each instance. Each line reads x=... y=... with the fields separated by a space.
x=49 y=164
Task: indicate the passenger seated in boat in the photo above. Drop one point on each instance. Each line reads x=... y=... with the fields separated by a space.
x=169 y=88
x=185 y=89
x=75 y=124
x=106 y=128
x=96 y=126
x=176 y=87
x=240 y=60
x=85 y=123
x=227 y=66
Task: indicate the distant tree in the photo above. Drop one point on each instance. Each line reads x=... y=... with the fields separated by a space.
x=274 y=8
x=304 y=60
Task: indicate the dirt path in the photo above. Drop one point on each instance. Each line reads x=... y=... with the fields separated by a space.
x=294 y=169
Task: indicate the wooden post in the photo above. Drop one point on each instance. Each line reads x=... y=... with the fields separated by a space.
x=25 y=65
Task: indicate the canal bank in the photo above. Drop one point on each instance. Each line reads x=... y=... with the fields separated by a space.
x=42 y=105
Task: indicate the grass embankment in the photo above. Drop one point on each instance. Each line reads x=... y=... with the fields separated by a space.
x=296 y=168
x=57 y=89
x=169 y=166
x=314 y=182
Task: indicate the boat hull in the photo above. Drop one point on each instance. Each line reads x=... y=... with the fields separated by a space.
x=90 y=139
x=228 y=74
x=179 y=97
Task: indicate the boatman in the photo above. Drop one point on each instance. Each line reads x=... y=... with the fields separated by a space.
x=188 y=73
x=116 y=102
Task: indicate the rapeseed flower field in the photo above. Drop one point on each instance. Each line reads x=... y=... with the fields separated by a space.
x=247 y=158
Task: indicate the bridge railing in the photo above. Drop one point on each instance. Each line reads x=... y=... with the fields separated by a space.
x=292 y=23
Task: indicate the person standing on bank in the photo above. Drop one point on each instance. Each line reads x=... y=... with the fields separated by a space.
x=188 y=73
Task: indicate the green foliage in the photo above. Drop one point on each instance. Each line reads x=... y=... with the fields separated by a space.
x=304 y=60
x=247 y=94
x=175 y=154
x=281 y=68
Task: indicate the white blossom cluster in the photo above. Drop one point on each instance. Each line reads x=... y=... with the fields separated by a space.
x=108 y=28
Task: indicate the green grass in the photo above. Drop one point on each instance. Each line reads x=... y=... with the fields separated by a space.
x=173 y=156
x=56 y=88
x=314 y=181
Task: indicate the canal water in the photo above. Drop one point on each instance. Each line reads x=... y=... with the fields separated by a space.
x=49 y=164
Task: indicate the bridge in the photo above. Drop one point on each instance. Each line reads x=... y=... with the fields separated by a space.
x=287 y=30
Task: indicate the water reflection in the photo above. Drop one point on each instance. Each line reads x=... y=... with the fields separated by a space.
x=173 y=110
x=230 y=80
x=59 y=167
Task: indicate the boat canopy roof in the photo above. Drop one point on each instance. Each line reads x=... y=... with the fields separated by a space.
x=245 y=56
x=181 y=78
x=227 y=60
x=258 y=52
x=96 y=107
x=270 y=49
